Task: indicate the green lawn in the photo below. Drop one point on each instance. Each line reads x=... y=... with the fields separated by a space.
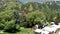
x=57 y=32
x=26 y=31
x=29 y=31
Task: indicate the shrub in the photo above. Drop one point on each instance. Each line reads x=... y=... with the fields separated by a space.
x=9 y=25
x=7 y=20
x=35 y=17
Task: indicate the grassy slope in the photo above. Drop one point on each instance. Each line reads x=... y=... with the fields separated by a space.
x=29 y=31
x=26 y=31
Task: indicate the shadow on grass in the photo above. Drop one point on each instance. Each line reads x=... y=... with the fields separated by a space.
x=12 y=31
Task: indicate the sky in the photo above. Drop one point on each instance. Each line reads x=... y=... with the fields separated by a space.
x=30 y=0
x=23 y=0
x=36 y=0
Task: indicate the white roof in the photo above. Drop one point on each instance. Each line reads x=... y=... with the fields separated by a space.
x=47 y=29
x=53 y=29
x=56 y=26
x=38 y=30
x=52 y=22
x=36 y=25
x=58 y=23
x=44 y=32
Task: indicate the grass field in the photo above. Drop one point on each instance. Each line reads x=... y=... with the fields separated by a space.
x=26 y=31
x=29 y=31
x=23 y=31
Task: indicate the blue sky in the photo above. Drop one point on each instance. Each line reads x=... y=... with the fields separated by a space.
x=23 y=0
x=36 y=0
x=26 y=0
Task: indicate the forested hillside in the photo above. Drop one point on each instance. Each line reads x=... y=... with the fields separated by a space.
x=31 y=13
